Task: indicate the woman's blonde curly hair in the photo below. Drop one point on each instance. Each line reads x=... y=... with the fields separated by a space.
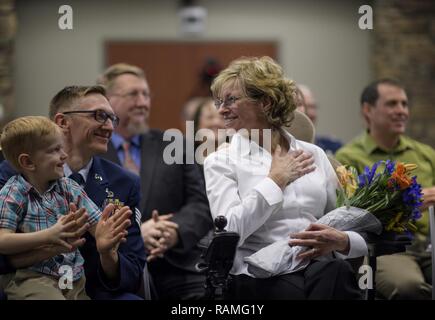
x=261 y=79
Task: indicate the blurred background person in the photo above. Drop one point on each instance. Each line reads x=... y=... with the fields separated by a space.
x=328 y=144
x=300 y=101
x=189 y=110
x=207 y=117
x=385 y=108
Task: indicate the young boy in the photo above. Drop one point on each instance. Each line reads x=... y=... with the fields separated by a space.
x=34 y=211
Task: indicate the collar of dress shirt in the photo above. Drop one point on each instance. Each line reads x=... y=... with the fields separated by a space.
x=118 y=140
x=242 y=145
x=370 y=145
x=53 y=185
x=84 y=171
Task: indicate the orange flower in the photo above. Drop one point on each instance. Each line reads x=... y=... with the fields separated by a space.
x=401 y=177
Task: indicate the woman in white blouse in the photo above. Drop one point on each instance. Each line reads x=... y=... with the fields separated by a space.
x=271 y=186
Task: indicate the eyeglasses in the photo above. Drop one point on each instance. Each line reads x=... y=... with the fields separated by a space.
x=133 y=95
x=227 y=102
x=100 y=115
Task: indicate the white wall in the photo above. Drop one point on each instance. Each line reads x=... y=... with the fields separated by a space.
x=320 y=44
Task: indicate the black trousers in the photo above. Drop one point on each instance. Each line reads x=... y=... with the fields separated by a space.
x=320 y=280
x=171 y=283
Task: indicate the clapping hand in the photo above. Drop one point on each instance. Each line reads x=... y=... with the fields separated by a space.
x=66 y=233
x=111 y=229
x=79 y=228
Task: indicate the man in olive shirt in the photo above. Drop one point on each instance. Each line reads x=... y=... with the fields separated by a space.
x=385 y=109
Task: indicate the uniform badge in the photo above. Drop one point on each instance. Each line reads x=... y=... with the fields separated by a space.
x=111 y=200
x=116 y=202
x=110 y=194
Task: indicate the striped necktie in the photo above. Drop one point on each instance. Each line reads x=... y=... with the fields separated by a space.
x=128 y=160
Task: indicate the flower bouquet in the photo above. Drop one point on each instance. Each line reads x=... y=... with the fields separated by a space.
x=373 y=201
x=392 y=195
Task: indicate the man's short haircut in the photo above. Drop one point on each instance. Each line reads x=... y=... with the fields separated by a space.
x=65 y=98
x=26 y=135
x=108 y=77
x=370 y=93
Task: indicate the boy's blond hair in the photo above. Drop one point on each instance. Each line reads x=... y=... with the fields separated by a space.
x=26 y=135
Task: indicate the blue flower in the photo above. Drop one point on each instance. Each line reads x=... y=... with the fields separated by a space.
x=416 y=214
x=390 y=166
x=367 y=176
x=412 y=196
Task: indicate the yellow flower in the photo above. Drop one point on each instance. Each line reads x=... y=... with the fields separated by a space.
x=347 y=180
x=351 y=188
x=342 y=174
x=399 y=229
x=410 y=166
x=393 y=225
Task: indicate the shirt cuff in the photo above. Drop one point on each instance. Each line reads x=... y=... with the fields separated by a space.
x=270 y=191
x=357 y=244
x=109 y=285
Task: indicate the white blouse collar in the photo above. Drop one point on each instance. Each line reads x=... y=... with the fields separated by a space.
x=243 y=146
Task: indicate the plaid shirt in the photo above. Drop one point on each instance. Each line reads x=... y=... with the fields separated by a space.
x=23 y=209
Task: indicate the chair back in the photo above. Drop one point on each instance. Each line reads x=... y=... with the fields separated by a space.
x=302 y=128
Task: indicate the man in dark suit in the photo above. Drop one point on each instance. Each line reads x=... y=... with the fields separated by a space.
x=175 y=211
x=87 y=121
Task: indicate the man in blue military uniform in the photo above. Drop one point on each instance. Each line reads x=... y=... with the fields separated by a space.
x=87 y=121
